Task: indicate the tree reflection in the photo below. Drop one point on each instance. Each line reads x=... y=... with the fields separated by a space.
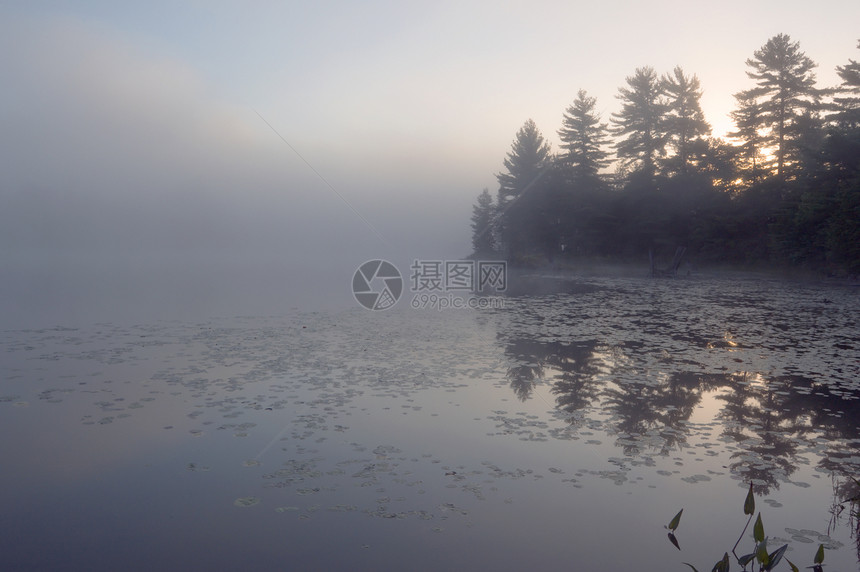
x=571 y=365
x=770 y=422
x=653 y=409
x=754 y=419
x=846 y=504
x=775 y=420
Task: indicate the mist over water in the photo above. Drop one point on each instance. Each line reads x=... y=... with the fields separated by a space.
x=128 y=191
x=188 y=382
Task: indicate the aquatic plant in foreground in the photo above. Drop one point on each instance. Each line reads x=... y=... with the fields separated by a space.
x=766 y=560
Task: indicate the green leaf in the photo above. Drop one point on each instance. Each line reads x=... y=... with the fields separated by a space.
x=758 y=529
x=793 y=567
x=819 y=556
x=761 y=553
x=691 y=566
x=749 y=503
x=673 y=524
x=722 y=565
x=745 y=559
x=776 y=556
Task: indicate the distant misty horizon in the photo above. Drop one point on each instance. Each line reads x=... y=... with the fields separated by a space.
x=137 y=177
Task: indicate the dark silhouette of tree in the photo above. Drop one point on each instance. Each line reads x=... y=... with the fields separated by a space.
x=520 y=202
x=483 y=212
x=584 y=139
x=748 y=119
x=783 y=189
x=841 y=155
x=718 y=161
x=639 y=124
x=528 y=156
x=785 y=88
x=847 y=103
x=684 y=122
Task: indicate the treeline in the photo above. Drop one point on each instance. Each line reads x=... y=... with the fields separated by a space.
x=782 y=189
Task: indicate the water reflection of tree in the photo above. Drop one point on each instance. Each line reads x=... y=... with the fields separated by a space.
x=639 y=408
x=653 y=408
x=834 y=415
x=573 y=364
x=766 y=420
x=846 y=505
x=770 y=420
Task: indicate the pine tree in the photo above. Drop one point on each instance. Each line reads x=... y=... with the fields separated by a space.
x=525 y=162
x=684 y=122
x=640 y=122
x=747 y=118
x=785 y=89
x=584 y=139
x=848 y=103
x=483 y=241
x=519 y=200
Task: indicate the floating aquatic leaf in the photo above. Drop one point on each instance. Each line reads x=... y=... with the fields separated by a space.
x=674 y=540
x=673 y=524
x=246 y=501
x=793 y=567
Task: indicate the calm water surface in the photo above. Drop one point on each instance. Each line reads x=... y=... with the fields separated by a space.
x=562 y=432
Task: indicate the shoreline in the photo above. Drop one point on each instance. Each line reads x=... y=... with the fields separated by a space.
x=555 y=280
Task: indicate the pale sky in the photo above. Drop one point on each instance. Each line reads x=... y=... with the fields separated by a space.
x=133 y=127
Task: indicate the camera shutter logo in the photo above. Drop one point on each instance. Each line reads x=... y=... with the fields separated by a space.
x=377 y=285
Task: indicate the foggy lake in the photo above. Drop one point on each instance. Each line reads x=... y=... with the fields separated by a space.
x=562 y=431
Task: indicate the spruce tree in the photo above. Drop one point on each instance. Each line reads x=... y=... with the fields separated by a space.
x=640 y=122
x=847 y=103
x=684 y=123
x=483 y=241
x=747 y=118
x=584 y=139
x=525 y=162
x=519 y=199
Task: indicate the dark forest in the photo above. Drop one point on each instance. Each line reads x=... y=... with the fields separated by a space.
x=781 y=190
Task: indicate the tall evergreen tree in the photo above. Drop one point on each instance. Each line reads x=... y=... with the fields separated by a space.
x=525 y=162
x=785 y=88
x=684 y=122
x=519 y=201
x=747 y=118
x=584 y=139
x=483 y=241
x=848 y=102
x=640 y=122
